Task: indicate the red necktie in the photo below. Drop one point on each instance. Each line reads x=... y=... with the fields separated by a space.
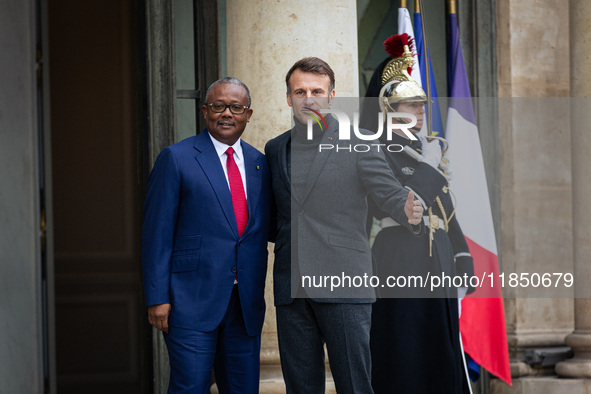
x=237 y=191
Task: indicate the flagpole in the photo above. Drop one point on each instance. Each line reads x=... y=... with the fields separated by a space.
x=452 y=11
x=464 y=360
x=452 y=7
x=420 y=8
x=402 y=3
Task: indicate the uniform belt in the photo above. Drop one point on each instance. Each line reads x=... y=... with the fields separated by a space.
x=389 y=222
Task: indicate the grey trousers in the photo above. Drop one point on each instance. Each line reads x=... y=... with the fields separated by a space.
x=302 y=329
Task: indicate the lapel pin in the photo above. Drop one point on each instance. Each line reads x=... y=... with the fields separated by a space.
x=257 y=167
x=330 y=138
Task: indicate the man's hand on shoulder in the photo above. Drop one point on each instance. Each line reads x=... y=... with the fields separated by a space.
x=158 y=316
x=413 y=209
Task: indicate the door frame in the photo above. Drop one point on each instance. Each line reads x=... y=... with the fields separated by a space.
x=45 y=191
x=159 y=94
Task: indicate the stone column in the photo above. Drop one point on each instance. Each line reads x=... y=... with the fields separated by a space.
x=535 y=195
x=580 y=82
x=264 y=39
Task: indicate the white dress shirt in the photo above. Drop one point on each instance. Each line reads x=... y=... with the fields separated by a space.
x=221 y=149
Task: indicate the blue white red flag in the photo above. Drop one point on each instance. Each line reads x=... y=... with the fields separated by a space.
x=482 y=323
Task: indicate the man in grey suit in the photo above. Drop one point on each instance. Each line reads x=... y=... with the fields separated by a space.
x=321 y=200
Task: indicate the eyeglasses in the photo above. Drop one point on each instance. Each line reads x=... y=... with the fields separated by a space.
x=236 y=109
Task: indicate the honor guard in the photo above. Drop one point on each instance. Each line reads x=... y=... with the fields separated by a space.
x=415 y=337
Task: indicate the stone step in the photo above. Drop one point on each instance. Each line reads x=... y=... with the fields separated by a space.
x=272 y=381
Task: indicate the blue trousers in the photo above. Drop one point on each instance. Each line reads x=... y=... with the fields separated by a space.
x=229 y=350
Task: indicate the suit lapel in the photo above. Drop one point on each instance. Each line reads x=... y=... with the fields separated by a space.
x=319 y=161
x=210 y=163
x=282 y=157
x=253 y=182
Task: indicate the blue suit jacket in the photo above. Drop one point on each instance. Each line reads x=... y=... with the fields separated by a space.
x=191 y=251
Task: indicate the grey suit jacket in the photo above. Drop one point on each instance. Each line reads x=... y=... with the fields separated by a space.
x=330 y=218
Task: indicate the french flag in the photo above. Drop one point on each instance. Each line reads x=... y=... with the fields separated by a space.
x=482 y=323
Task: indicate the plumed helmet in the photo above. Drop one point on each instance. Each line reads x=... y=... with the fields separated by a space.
x=397 y=83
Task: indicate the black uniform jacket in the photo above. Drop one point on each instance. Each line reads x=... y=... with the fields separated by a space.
x=450 y=253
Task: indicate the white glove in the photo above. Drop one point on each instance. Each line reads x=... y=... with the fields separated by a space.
x=431 y=152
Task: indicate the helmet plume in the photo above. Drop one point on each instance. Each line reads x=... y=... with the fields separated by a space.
x=394 y=45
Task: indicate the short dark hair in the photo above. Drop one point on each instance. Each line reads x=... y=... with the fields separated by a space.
x=312 y=65
x=232 y=81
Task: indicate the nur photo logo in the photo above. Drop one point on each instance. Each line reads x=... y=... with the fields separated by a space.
x=394 y=121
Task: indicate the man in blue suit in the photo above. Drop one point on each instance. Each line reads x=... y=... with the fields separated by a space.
x=204 y=248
